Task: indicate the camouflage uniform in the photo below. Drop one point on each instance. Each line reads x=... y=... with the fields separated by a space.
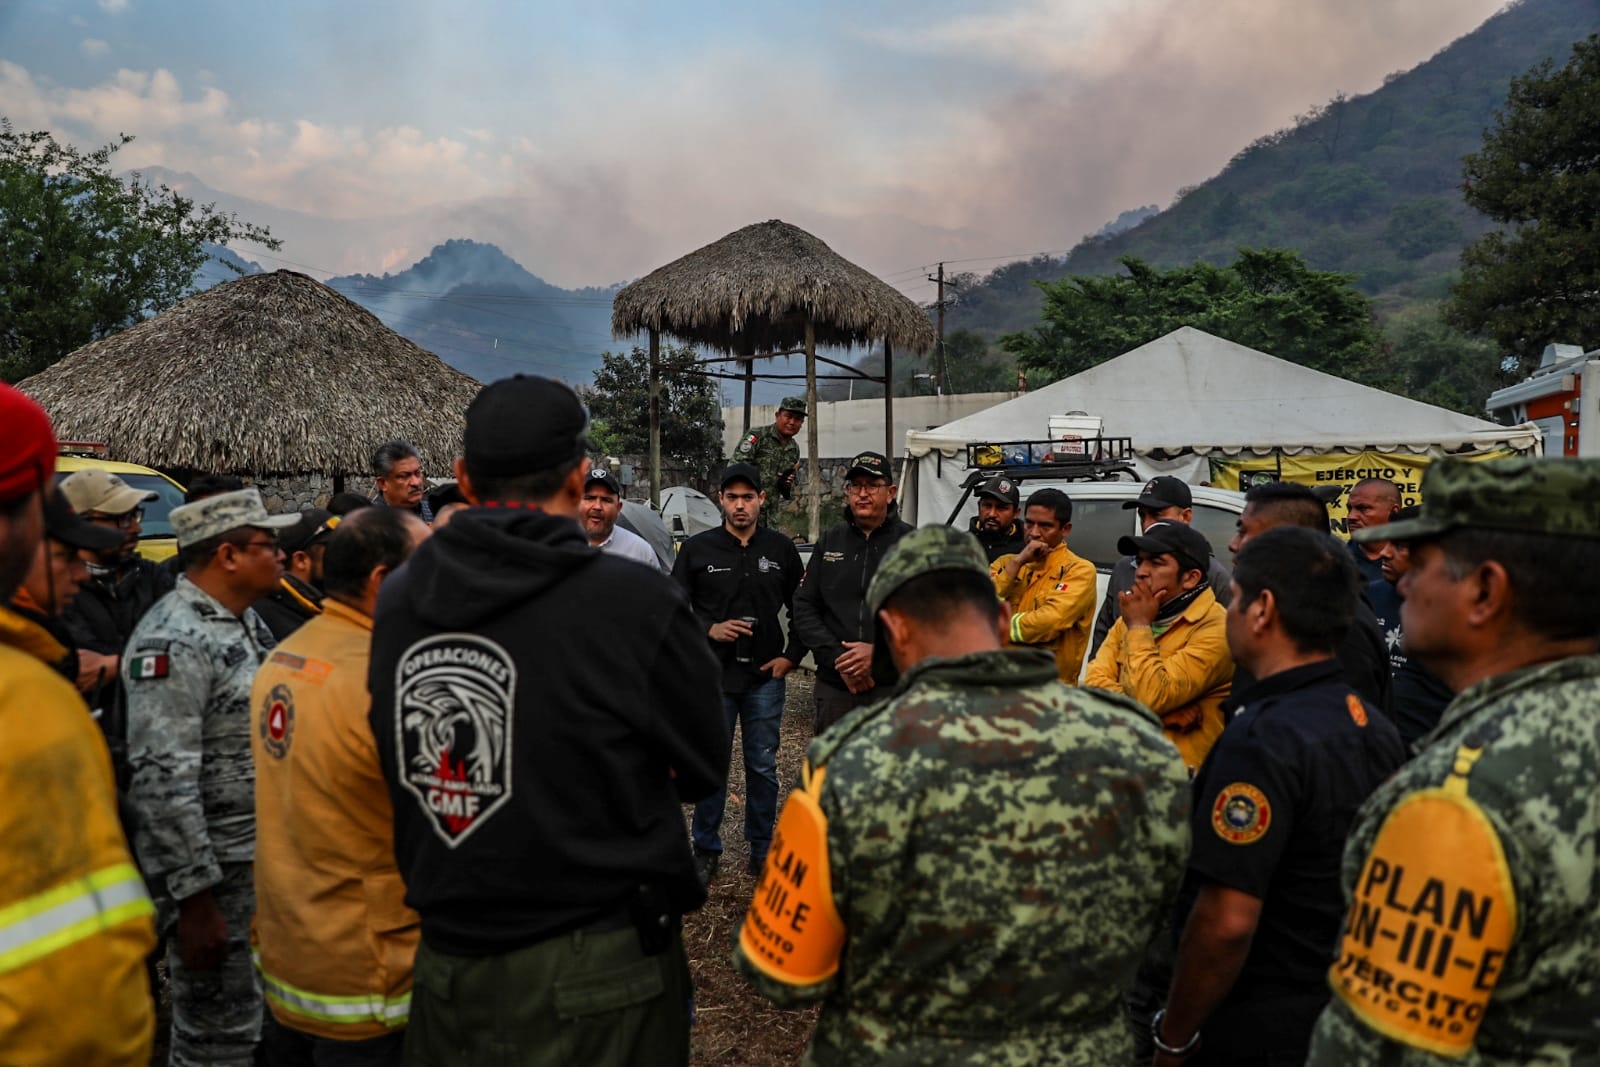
x=1523 y=746
x=188 y=671
x=775 y=458
x=1003 y=848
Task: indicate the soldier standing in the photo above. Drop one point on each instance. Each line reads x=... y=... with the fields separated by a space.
x=1472 y=932
x=950 y=878
x=188 y=670
x=773 y=450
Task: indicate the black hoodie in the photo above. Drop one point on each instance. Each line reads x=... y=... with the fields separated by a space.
x=541 y=710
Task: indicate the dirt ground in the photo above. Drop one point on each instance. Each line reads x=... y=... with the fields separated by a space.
x=734 y=1026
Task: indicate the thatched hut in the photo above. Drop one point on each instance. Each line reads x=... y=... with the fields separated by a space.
x=274 y=377
x=771 y=289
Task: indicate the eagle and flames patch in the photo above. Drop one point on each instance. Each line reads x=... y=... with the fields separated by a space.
x=455 y=694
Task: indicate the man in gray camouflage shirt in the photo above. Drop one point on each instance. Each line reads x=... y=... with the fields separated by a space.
x=188 y=670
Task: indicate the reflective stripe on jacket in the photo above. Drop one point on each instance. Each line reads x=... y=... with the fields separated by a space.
x=75 y=922
x=334 y=938
x=1052 y=605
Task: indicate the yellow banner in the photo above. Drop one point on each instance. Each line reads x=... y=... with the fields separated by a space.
x=1342 y=469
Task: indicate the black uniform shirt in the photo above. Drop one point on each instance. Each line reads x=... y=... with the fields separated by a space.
x=1272 y=805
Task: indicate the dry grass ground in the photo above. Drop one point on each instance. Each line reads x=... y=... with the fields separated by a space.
x=735 y=1027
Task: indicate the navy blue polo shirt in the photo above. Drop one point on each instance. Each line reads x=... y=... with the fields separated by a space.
x=1273 y=803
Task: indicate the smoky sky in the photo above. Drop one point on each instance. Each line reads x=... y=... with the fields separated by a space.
x=900 y=135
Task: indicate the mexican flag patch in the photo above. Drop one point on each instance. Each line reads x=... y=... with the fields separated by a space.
x=147 y=666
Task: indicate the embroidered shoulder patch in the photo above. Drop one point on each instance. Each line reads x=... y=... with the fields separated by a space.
x=277 y=721
x=144 y=667
x=1241 y=814
x=1357 y=711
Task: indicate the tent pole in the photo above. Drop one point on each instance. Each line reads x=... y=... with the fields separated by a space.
x=888 y=403
x=814 y=486
x=655 y=419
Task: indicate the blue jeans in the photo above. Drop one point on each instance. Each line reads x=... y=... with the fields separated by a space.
x=759 y=712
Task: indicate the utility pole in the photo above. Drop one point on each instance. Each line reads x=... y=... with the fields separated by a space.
x=941 y=382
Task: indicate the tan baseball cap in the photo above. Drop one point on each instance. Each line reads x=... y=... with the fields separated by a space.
x=100 y=491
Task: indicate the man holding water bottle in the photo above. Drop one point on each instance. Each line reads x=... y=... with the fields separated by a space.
x=738 y=578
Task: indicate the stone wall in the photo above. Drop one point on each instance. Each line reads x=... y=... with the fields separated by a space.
x=294 y=492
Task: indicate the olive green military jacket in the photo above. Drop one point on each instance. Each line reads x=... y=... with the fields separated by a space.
x=773 y=457
x=1002 y=849
x=1487 y=969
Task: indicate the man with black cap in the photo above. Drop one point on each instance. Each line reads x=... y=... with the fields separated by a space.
x=298 y=598
x=602 y=503
x=996 y=525
x=1169 y=650
x=542 y=710
x=1164 y=499
x=187 y=672
x=739 y=578
x=828 y=609
x=75 y=919
x=1272 y=806
x=1482 y=848
x=773 y=450
x=53 y=581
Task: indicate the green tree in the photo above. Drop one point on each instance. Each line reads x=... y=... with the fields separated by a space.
x=973 y=366
x=1539 y=173
x=84 y=253
x=1433 y=362
x=691 y=410
x=1267 y=299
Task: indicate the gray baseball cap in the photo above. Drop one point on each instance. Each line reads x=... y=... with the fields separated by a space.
x=217 y=515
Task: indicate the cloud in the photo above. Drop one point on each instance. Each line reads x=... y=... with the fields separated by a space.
x=113 y=7
x=93 y=46
x=1099 y=108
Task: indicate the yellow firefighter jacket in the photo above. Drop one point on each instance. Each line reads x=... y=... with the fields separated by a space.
x=1183 y=674
x=333 y=936
x=1052 y=605
x=75 y=921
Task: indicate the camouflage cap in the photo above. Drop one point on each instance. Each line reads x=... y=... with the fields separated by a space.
x=1547 y=495
x=924 y=551
x=796 y=404
x=217 y=515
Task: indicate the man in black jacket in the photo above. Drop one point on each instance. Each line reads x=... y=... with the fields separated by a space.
x=122 y=586
x=829 y=608
x=739 y=577
x=298 y=598
x=996 y=526
x=541 y=711
x=1362 y=653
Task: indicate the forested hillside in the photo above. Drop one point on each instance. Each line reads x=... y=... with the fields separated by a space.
x=1368 y=185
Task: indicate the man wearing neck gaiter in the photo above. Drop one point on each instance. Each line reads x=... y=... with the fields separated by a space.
x=1169 y=651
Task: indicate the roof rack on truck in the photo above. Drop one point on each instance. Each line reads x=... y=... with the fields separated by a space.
x=1094 y=459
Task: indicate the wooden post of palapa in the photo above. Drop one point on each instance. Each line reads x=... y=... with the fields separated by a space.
x=814 y=489
x=749 y=388
x=888 y=405
x=655 y=419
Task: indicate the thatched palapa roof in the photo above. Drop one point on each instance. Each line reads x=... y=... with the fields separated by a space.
x=751 y=292
x=270 y=374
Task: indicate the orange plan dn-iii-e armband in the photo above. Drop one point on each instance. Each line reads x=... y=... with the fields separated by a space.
x=792 y=932
x=1430 y=922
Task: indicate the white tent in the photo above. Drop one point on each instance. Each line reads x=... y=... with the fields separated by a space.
x=1188 y=396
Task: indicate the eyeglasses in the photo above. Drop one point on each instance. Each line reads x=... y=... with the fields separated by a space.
x=271 y=542
x=865 y=487
x=121 y=522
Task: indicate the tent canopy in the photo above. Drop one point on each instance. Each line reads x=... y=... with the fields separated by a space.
x=1190 y=395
